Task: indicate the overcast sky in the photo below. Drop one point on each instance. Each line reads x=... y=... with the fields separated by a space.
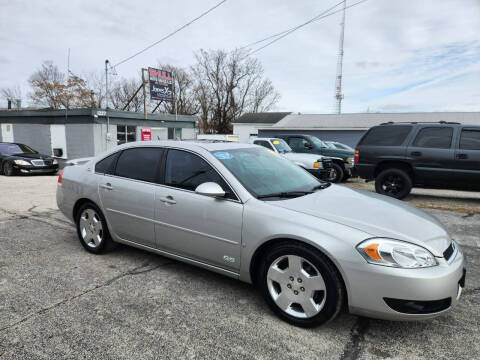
x=408 y=55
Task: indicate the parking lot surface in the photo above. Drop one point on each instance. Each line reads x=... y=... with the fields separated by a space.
x=59 y=302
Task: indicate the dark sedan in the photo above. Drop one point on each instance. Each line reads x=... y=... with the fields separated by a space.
x=21 y=159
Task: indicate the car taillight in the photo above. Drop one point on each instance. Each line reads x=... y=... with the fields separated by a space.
x=60 y=176
x=357 y=157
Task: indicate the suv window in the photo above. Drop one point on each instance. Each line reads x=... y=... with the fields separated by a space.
x=470 y=139
x=434 y=137
x=185 y=170
x=105 y=166
x=386 y=135
x=263 y=143
x=139 y=163
x=299 y=144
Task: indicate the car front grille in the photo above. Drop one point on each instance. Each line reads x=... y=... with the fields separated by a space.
x=38 y=162
x=327 y=163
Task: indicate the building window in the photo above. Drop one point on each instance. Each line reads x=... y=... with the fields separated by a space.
x=126 y=133
x=175 y=133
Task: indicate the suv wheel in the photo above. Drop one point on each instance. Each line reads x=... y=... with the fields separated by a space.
x=337 y=173
x=301 y=285
x=393 y=182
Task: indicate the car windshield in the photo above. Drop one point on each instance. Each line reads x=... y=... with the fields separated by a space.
x=263 y=172
x=11 y=149
x=281 y=146
x=331 y=145
x=318 y=143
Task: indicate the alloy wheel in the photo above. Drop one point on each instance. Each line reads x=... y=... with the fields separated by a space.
x=393 y=184
x=91 y=228
x=296 y=286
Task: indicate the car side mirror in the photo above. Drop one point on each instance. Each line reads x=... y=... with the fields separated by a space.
x=210 y=189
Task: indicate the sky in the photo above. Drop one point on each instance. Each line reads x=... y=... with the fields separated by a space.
x=399 y=56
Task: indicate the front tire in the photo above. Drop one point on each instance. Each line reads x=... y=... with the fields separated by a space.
x=8 y=169
x=393 y=182
x=300 y=284
x=92 y=229
x=337 y=175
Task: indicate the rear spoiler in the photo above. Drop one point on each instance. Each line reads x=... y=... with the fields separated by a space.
x=80 y=161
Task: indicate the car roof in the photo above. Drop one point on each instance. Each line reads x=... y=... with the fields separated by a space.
x=191 y=144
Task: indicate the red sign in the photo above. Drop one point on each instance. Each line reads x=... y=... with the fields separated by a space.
x=146 y=134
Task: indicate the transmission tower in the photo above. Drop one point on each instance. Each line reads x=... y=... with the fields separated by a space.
x=338 y=80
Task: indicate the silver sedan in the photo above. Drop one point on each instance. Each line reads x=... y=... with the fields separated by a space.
x=312 y=248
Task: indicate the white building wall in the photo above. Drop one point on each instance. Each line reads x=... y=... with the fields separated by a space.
x=244 y=131
x=6 y=133
x=188 y=133
x=58 y=139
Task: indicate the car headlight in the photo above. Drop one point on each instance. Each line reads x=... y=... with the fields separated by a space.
x=55 y=162
x=21 y=162
x=318 y=165
x=396 y=253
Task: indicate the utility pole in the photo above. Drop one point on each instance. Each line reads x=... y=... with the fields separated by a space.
x=144 y=95
x=106 y=101
x=338 y=81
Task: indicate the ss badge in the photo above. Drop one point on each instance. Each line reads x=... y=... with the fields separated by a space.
x=228 y=259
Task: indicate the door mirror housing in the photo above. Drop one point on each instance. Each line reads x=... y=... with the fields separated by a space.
x=210 y=189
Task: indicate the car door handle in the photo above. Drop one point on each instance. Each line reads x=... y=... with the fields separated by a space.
x=168 y=200
x=462 y=156
x=107 y=186
x=416 y=153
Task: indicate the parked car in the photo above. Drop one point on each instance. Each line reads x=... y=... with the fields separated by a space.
x=311 y=247
x=317 y=165
x=18 y=158
x=399 y=156
x=337 y=145
x=342 y=159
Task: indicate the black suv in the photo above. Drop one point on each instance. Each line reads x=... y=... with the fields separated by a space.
x=430 y=155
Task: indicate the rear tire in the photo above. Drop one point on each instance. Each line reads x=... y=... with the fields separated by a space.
x=338 y=174
x=300 y=284
x=393 y=182
x=92 y=229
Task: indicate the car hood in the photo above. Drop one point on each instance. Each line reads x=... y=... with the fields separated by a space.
x=30 y=156
x=377 y=215
x=303 y=157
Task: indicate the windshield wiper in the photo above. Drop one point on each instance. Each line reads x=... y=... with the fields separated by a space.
x=285 y=194
x=321 y=186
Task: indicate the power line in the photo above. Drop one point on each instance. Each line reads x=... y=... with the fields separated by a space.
x=171 y=34
x=285 y=33
x=293 y=28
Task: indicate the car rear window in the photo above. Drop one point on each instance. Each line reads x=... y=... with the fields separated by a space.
x=105 y=166
x=470 y=139
x=386 y=135
x=139 y=163
x=434 y=137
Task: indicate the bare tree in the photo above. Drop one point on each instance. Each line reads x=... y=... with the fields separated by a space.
x=13 y=93
x=49 y=87
x=184 y=92
x=121 y=92
x=235 y=84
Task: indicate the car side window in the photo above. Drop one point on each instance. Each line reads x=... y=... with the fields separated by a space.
x=106 y=165
x=185 y=170
x=298 y=144
x=386 y=135
x=263 y=143
x=139 y=163
x=470 y=140
x=434 y=137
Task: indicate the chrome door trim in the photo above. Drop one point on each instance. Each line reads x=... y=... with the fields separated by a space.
x=188 y=260
x=175 y=227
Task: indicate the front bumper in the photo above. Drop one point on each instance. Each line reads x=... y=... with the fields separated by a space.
x=417 y=293
x=31 y=169
x=322 y=174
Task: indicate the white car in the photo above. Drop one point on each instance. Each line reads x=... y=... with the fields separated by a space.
x=318 y=165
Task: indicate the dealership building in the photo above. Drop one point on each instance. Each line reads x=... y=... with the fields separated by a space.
x=344 y=128
x=81 y=133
